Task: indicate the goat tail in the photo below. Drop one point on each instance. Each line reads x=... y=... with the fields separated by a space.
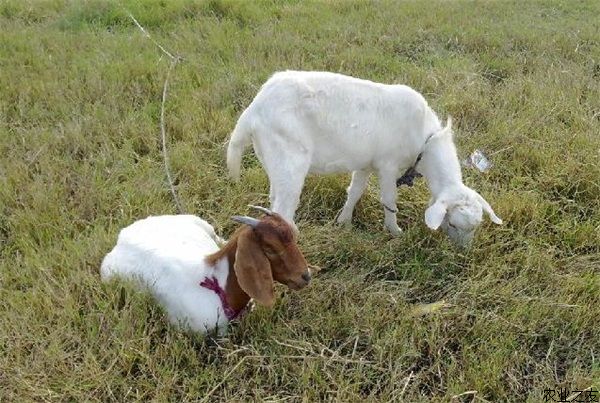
x=240 y=139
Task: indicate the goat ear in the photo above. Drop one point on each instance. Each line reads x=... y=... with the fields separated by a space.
x=445 y=131
x=435 y=214
x=253 y=270
x=448 y=129
x=449 y=122
x=488 y=209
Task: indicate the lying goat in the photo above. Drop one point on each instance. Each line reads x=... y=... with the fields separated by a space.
x=200 y=285
x=321 y=122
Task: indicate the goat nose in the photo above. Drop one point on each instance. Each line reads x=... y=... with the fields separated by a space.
x=306 y=276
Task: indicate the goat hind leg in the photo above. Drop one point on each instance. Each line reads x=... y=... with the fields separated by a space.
x=286 y=187
x=355 y=191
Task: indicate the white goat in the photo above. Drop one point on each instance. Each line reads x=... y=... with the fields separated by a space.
x=200 y=285
x=301 y=122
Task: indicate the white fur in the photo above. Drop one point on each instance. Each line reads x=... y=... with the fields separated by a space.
x=322 y=122
x=165 y=254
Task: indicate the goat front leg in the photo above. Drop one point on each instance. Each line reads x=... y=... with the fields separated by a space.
x=387 y=184
x=355 y=191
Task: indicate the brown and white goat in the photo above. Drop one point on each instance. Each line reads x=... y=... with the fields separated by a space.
x=199 y=284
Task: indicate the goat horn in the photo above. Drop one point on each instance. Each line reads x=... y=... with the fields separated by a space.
x=253 y=222
x=263 y=209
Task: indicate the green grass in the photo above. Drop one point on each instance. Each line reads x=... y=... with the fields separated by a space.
x=80 y=91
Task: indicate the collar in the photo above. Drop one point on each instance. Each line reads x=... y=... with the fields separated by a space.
x=213 y=285
x=411 y=173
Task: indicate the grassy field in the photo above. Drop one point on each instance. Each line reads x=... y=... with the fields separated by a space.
x=80 y=158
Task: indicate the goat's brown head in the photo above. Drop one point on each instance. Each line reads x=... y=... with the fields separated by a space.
x=267 y=252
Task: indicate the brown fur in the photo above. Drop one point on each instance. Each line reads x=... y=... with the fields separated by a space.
x=253 y=269
x=256 y=257
x=227 y=250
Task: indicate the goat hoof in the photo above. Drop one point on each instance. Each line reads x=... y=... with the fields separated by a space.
x=395 y=231
x=346 y=222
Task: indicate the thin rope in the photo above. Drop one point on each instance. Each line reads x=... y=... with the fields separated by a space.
x=163 y=132
x=164 y=138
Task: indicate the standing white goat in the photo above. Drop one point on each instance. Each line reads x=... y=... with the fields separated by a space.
x=323 y=122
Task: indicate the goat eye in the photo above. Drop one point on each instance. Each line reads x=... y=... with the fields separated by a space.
x=272 y=252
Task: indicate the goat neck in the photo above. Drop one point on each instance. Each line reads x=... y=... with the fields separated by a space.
x=236 y=297
x=440 y=166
